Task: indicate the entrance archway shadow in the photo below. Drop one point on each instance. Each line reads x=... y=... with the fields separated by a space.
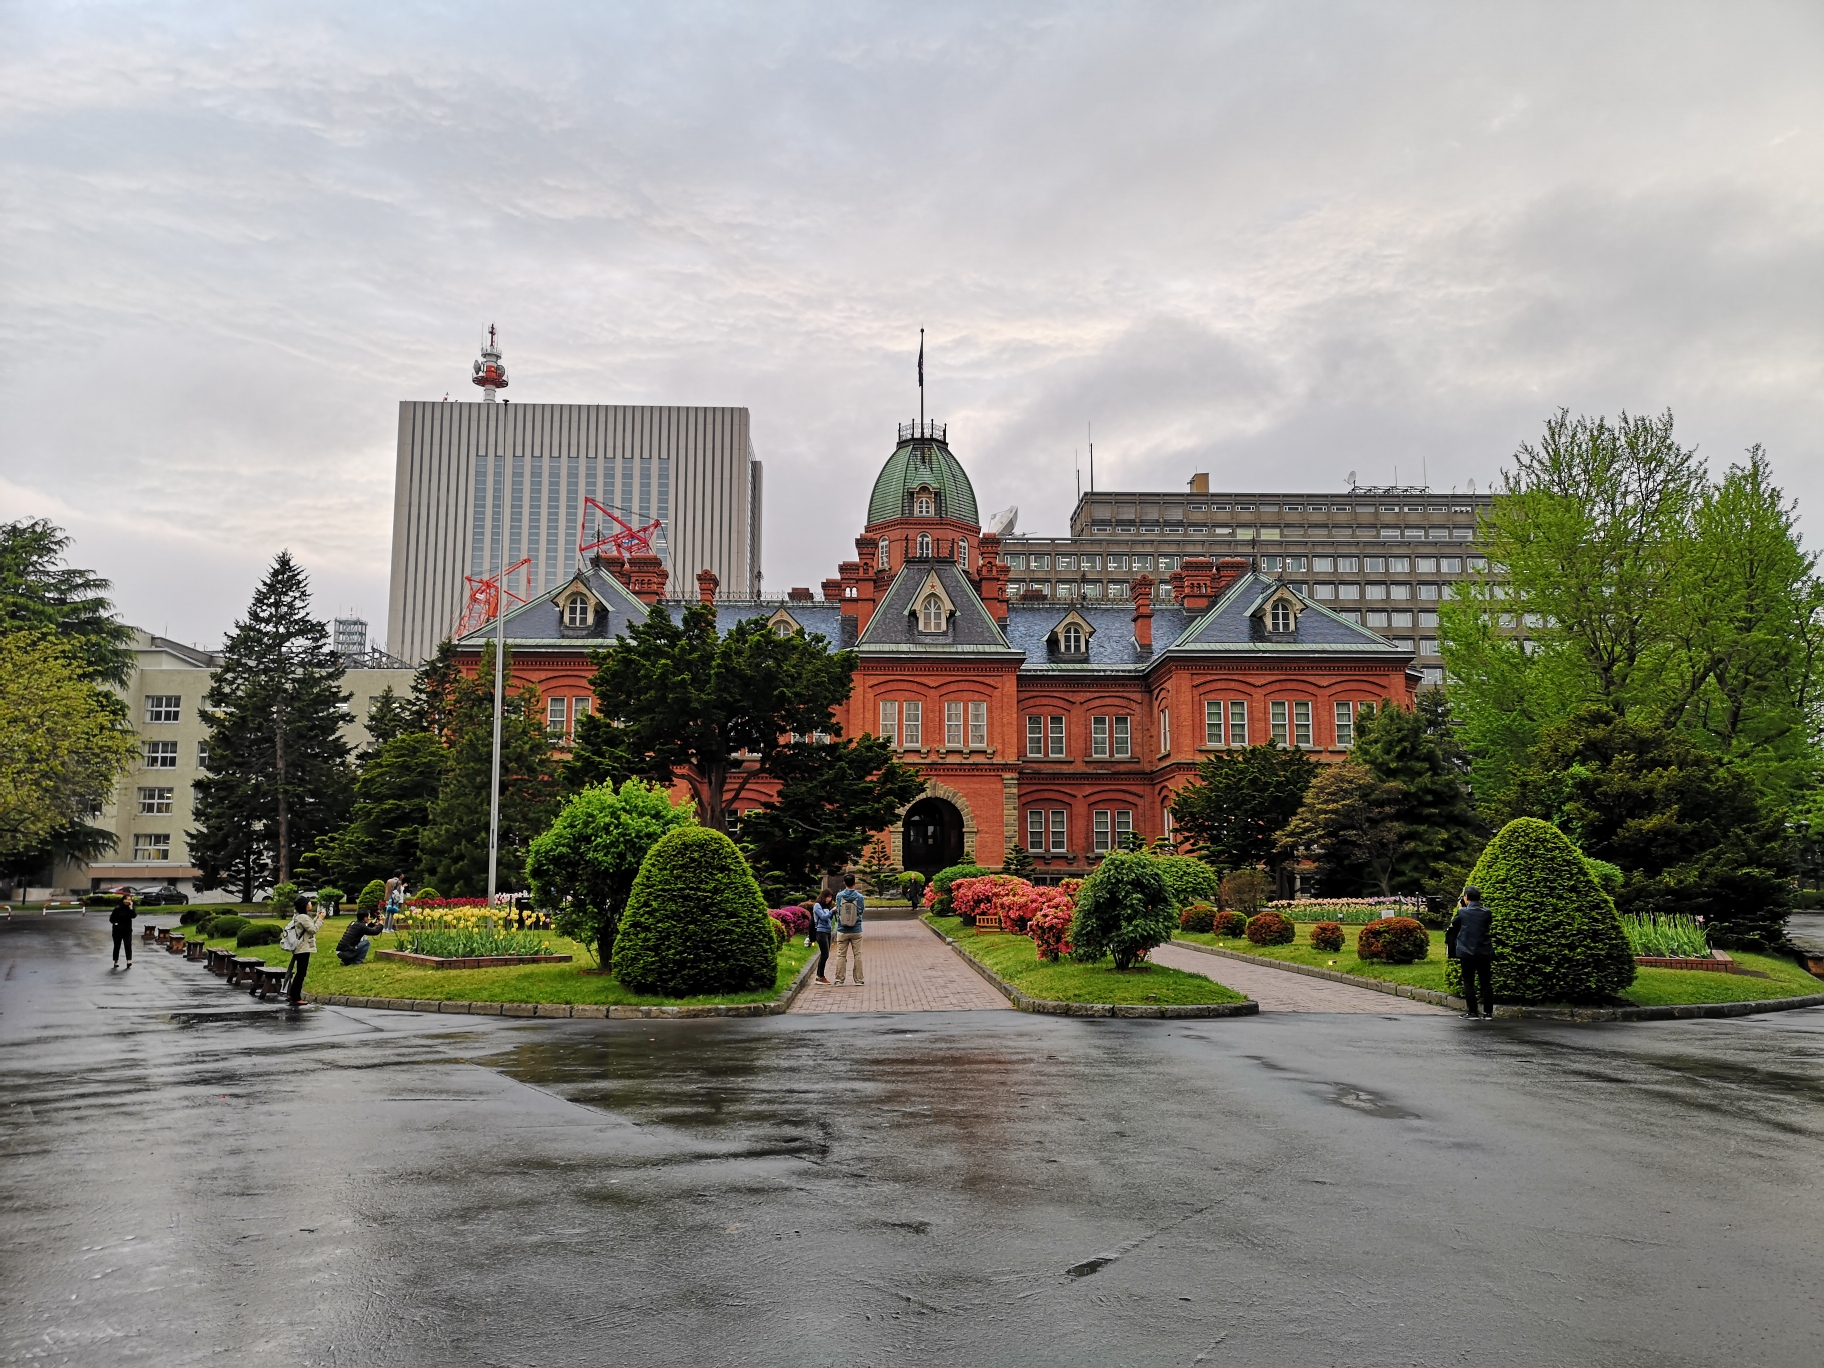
x=932 y=837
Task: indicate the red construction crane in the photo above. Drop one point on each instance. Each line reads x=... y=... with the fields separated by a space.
x=484 y=597
x=625 y=540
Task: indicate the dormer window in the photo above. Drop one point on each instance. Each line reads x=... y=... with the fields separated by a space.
x=924 y=545
x=782 y=629
x=576 y=610
x=1072 y=640
x=931 y=614
x=921 y=507
x=1280 y=618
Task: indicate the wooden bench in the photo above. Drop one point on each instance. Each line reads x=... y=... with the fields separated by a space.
x=148 y=931
x=174 y=945
x=241 y=969
x=160 y=933
x=218 y=960
x=196 y=950
x=268 y=979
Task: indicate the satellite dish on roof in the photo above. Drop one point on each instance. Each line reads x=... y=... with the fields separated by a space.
x=1002 y=523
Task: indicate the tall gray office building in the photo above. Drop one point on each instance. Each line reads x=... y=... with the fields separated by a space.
x=483 y=485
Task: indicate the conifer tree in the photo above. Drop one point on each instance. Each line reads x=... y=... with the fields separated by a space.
x=1018 y=862
x=453 y=851
x=1438 y=821
x=279 y=776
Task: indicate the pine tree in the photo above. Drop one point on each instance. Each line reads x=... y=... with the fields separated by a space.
x=399 y=781
x=279 y=777
x=453 y=851
x=37 y=591
x=1018 y=862
x=434 y=690
x=876 y=869
x=1433 y=809
x=389 y=716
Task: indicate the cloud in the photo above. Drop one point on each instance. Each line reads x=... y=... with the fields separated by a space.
x=1278 y=242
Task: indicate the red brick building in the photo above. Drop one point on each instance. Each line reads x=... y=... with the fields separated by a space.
x=1063 y=726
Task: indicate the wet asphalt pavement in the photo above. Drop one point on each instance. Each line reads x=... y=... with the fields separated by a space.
x=192 y=1178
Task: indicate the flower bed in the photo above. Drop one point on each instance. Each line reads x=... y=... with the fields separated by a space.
x=1716 y=962
x=1347 y=911
x=468 y=961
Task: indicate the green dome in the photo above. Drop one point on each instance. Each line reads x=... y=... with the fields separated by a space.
x=922 y=458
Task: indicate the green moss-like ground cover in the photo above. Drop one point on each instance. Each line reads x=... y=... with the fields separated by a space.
x=520 y=983
x=1016 y=961
x=1651 y=987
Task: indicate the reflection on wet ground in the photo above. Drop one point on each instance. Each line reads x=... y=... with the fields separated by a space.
x=190 y=1179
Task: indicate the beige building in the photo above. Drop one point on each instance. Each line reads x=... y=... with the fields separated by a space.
x=152 y=810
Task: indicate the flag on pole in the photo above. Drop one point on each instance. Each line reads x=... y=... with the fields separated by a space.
x=921 y=358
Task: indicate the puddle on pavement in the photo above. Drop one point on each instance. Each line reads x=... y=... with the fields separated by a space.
x=1369 y=1104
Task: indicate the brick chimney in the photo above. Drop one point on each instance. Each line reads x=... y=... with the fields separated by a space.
x=832 y=588
x=800 y=594
x=1228 y=570
x=707 y=582
x=614 y=565
x=992 y=577
x=1142 y=590
x=1191 y=584
x=646 y=578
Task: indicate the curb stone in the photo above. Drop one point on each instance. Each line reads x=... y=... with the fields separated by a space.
x=588 y=1011
x=1052 y=1007
x=1690 y=1011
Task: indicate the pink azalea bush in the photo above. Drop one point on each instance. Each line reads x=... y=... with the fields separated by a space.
x=930 y=895
x=1002 y=893
x=797 y=920
x=1049 y=914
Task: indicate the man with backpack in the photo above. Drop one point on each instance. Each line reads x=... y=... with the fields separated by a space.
x=849 y=907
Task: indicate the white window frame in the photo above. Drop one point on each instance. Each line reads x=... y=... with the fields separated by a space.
x=151 y=847
x=889 y=723
x=576 y=610
x=1098 y=738
x=962 y=552
x=1035 y=830
x=1070 y=640
x=160 y=755
x=978 y=725
x=163 y=709
x=1124 y=826
x=1213 y=709
x=1101 y=826
x=1238 y=722
x=1057 y=749
x=202 y=755
x=912 y=724
x=1301 y=723
x=156 y=800
x=924 y=546
x=886 y=555
x=1060 y=831
x=953 y=725
x=1345 y=725
x=1035 y=736
x=557 y=715
x=923 y=506
x=931 y=614
x=1121 y=736
x=1165 y=731
x=1279 y=618
x=580 y=707
x=1279 y=721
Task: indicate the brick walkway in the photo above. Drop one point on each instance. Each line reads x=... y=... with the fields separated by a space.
x=909 y=970
x=1279 y=991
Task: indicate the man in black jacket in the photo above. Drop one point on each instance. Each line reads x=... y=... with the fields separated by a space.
x=357 y=940
x=1469 y=941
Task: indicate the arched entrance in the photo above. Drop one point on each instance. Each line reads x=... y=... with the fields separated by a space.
x=932 y=837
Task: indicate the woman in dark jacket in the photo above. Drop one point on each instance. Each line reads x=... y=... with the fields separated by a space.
x=121 y=919
x=1469 y=940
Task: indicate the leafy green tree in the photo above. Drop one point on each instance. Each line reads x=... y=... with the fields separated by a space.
x=1690 y=832
x=680 y=700
x=830 y=796
x=398 y=783
x=1124 y=909
x=1239 y=802
x=695 y=922
x=1190 y=879
x=453 y=848
x=1351 y=827
x=584 y=863
x=1438 y=821
x=37 y=591
x=279 y=777
x=62 y=748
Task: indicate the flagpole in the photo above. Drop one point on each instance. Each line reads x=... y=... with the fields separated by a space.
x=921 y=378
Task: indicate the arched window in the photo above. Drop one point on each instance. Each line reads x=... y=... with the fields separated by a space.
x=1073 y=640
x=924 y=545
x=886 y=555
x=962 y=552
x=931 y=614
x=576 y=611
x=1280 y=619
x=782 y=628
x=922 y=508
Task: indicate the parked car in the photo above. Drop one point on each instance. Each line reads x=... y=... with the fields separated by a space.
x=161 y=897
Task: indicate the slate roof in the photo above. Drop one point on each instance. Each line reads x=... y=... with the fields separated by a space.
x=540 y=622
x=971 y=632
x=1111 y=644
x=1229 y=628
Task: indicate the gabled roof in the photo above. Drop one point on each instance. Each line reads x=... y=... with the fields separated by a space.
x=540 y=621
x=1231 y=627
x=1111 y=638
x=972 y=631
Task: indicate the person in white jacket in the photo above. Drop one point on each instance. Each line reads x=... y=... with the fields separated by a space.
x=305 y=923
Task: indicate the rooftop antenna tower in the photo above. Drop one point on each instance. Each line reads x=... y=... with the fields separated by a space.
x=490 y=371
x=1090 y=436
x=921 y=377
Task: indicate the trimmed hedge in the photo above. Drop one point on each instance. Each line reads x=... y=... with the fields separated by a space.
x=371 y=896
x=1327 y=936
x=258 y=933
x=695 y=922
x=230 y=925
x=1190 y=879
x=781 y=933
x=1271 y=928
x=1228 y=924
x=1199 y=916
x=1394 y=940
x=193 y=915
x=1557 y=936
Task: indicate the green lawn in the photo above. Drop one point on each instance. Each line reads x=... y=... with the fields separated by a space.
x=522 y=983
x=1651 y=987
x=1016 y=961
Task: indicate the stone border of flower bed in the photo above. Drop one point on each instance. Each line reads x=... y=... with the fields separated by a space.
x=1716 y=962
x=590 y=1011
x=469 y=962
x=1052 y=1007
x=1667 y=1012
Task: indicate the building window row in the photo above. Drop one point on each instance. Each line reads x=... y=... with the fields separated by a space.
x=1111 y=737
x=164 y=707
x=1048 y=830
x=151 y=846
x=563 y=714
x=902 y=724
x=156 y=801
x=1289 y=722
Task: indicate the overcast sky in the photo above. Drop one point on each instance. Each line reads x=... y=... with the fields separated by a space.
x=1278 y=242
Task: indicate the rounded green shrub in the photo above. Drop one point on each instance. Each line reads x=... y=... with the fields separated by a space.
x=193 y=915
x=781 y=933
x=330 y=900
x=1190 y=879
x=1327 y=936
x=1556 y=934
x=1199 y=916
x=1124 y=909
x=1393 y=940
x=695 y=921
x=1229 y=924
x=371 y=896
x=230 y=924
x=258 y=933
x=941 y=881
x=424 y=894
x=1271 y=928
x=1245 y=890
